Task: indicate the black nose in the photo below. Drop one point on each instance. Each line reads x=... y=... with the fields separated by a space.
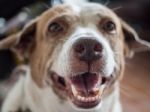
x=88 y=50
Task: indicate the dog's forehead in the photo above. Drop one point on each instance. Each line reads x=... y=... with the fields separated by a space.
x=82 y=11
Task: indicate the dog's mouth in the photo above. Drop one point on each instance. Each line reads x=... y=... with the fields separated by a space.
x=83 y=90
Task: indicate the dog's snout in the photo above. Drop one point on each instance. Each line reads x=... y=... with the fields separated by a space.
x=88 y=49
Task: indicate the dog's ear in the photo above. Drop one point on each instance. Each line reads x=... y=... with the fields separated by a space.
x=132 y=41
x=21 y=42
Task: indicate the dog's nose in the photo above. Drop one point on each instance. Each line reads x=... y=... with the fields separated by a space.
x=88 y=49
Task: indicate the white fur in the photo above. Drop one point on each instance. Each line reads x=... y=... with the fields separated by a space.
x=15 y=99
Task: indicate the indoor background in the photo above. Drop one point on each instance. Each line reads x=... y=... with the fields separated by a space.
x=135 y=87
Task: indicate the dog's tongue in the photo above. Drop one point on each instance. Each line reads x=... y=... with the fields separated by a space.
x=86 y=82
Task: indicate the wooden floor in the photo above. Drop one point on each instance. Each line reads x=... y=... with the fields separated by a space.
x=135 y=86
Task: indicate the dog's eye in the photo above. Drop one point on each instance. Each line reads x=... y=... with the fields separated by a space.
x=109 y=26
x=55 y=27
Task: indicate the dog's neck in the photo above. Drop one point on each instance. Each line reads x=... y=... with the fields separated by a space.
x=45 y=99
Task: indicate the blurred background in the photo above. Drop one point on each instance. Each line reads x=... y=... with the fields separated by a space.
x=135 y=87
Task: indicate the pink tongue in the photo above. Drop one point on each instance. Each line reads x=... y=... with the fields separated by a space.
x=85 y=82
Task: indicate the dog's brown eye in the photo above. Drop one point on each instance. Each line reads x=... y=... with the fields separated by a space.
x=109 y=26
x=55 y=27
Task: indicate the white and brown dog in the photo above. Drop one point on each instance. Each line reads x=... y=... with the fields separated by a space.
x=76 y=58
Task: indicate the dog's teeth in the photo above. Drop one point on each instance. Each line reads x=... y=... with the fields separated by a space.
x=96 y=89
x=82 y=99
x=74 y=91
x=101 y=89
x=93 y=98
x=87 y=99
x=90 y=98
x=96 y=98
x=79 y=97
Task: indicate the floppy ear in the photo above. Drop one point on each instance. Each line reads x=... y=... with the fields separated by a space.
x=132 y=41
x=22 y=42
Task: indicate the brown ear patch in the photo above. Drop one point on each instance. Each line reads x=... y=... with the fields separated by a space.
x=26 y=41
x=22 y=42
x=132 y=41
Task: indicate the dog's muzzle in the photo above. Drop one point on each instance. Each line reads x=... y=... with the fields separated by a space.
x=84 y=89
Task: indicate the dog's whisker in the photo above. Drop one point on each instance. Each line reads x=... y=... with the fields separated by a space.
x=117 y=8
x=46 y=6
x=107 y=2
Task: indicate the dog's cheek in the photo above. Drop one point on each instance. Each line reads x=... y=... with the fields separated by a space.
x=60 y=65
x=117 y=45
x=120 y=59
x=119 y=71
x=38 y=62
x=122 y=51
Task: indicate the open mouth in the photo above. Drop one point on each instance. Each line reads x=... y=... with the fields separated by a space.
x=84 y=90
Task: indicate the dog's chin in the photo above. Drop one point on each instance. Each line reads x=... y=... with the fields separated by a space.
x=81 y=109
x=84 y=91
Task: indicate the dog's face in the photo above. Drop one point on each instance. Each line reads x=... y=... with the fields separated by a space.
x=78 y=51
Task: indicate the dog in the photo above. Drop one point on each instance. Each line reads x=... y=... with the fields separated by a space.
x=76 y=56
